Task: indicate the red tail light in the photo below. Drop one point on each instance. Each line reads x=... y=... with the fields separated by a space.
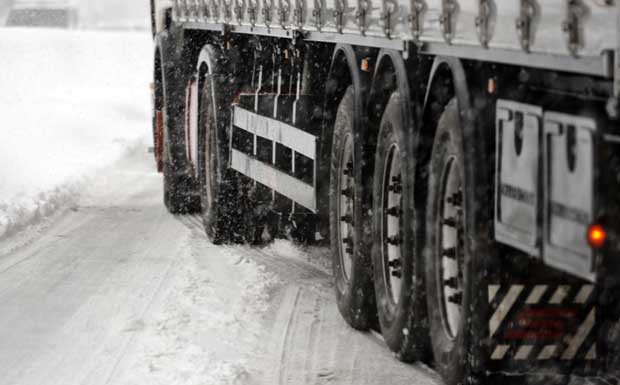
x=596 y=236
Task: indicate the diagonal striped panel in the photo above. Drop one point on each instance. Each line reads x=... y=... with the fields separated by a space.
x=504 y=307
x=536 y=294
x=582 y=332
x=559 y=295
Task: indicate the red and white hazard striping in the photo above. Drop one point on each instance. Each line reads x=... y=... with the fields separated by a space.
x=554 y=297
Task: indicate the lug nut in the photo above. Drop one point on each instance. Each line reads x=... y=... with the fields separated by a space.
x=451 y=282
x=347 y=241
x=349 y=169
x=346 y=218
x=394 y=211
x=396 y=188
x=394 y=264
x=397 y=273
x=395 y=240
x=456 y=298
x=348 y=192
x=450 y=252
x=451 y=222
x=456 y=199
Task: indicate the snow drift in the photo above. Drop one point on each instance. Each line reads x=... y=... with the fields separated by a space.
x=71 y=103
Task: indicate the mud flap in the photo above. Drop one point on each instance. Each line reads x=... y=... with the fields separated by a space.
x=517 y=202
x=569 y=193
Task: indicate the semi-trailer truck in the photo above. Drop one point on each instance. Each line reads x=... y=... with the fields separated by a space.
x=461 y=158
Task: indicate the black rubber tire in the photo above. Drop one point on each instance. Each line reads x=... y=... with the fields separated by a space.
x=402 y=321
x=221 y=206
x=457 y=358
x=180 y=195
x=353 y=294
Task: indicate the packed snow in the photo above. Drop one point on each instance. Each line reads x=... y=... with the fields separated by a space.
x=72 y=102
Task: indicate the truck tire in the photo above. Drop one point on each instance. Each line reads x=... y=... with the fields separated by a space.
x=398 y=267
x=454 y=275
x=219 y=191
x=350 y=256
x=179 y=195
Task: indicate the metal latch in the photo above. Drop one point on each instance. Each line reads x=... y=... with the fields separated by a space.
x=360 y=15
x=283 y=11
x=252 y=8
x=389 y=9
x=448 y=10
x=339 y=15
x=418 y=7
x=227 y=10
x=316 y=14
x=483 y=21
x=215 y=11
x=204 y=9
x=525 y=22
x=191 y=10
x=298 y=13
x=575 y=10
x=266 y=11
x=239 y=5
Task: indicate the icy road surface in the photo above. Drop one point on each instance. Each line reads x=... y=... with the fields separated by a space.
x=115 y=290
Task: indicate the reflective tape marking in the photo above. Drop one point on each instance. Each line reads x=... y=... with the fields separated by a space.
x=560 y=293
x=584 y=294
x=548 y=352
x=504 y=307
x=584 y=329
x=493 y=289
x=499 y=352
x=524 y=352
x=536 y=294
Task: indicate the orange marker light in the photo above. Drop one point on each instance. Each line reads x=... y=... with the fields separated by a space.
x=365 y=65
x=596 y=236
x=492 y=86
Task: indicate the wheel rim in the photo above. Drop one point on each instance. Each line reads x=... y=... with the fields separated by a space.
x=391 y=231
x=450 y=262
x=346 y=191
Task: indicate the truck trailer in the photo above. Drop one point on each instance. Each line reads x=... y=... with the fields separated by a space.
x=461 y=158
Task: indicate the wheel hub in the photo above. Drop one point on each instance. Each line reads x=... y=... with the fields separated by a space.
x=346 y=187
x=451 y=260
x=392 y=224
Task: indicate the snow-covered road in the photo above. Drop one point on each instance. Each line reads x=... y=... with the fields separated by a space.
x=115 y=290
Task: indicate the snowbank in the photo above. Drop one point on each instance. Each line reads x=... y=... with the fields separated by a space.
x=71 y=103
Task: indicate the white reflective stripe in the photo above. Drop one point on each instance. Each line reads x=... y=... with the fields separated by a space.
x=584 y=294
x=277 y=131
x=577 y=340
x=548 y=352
x=493 y=289
x=499 y=352
x=537 y=292
x=560 y=293
x=275 y=179
x=524 y=352
x=591 y=353
x=504 y=307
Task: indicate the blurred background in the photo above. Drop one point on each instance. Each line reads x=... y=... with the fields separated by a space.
x=75 y=98
x=81 y=14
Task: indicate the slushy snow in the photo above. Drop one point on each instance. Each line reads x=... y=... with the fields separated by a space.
x=71 y=103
